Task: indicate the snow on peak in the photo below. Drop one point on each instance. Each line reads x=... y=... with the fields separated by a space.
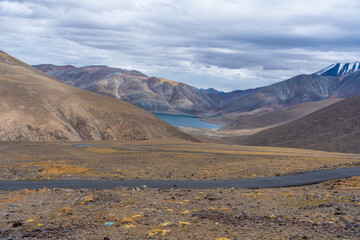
x=339 y=69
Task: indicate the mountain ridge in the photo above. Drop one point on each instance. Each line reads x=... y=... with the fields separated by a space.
x=149 y=93
x=332 y=128
x=166 y=96
x=339 y=69
x=38 y=107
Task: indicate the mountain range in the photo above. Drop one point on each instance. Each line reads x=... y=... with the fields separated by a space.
x=337 y=81
x=150 y=93
x=306 y=111
x=37 y=107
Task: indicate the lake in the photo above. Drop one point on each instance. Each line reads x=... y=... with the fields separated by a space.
x=186 y=121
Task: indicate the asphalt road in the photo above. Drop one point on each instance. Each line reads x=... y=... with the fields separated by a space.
x=253 y=183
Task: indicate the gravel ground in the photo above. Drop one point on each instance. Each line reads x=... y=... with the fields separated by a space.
x=329 y=210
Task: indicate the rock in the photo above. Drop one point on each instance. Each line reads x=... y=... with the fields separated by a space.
x=107 y=238
x=17 y=224
x=295 y=237
x=211 y=197
x=352 y=225
x=343 y=220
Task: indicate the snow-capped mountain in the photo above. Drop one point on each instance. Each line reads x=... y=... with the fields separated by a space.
x=339 y=69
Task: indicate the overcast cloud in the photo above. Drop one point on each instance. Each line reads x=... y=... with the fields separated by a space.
x=228 y=44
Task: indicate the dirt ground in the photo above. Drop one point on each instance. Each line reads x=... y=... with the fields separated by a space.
x=159 y=159
x=328 y=210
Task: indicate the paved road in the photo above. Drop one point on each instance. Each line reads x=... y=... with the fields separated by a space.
x=254 y=183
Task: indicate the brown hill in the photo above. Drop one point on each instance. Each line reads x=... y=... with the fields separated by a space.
x=149 y=93
x=333 y=128
x=278 y=116
x=37 y=107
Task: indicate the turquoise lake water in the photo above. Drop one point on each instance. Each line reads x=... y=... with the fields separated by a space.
x=186 y=121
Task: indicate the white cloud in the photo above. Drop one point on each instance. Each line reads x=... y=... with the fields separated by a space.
x=227 y=45
x=13 y=8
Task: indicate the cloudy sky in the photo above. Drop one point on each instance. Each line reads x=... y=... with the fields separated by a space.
x=227 y=44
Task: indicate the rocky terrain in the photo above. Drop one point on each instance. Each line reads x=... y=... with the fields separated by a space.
x=150 y=93
x=328 y=210
x=37 y=107
x=324 y=211
x=333 y=128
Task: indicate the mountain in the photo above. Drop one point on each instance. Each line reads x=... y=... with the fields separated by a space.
x=37 y=107
x=246 y=108
x=299 y=89
x=150 y=93
x=339 y=69
x=278 y=116
x=333 y=128
x=236 y=109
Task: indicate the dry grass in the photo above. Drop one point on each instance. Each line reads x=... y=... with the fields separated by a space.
x=159 y=159
x=169 y=81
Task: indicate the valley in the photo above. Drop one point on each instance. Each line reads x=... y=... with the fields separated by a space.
x=240 y=116
x=53 y=131
x=179 y=120
x=159 y=159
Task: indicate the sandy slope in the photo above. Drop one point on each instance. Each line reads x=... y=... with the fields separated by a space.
x=36 y=107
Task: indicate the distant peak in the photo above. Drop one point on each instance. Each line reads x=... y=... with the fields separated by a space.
x=339 y=69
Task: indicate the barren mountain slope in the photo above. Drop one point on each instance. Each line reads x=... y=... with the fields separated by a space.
x=333 y=128
x=150 y=93
x=278 y=116
x=36 y=107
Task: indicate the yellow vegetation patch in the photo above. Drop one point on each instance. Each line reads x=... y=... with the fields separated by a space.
x=11 y=200
x=65 y=209
x=101 y=150
x=89 y=198
x=184 y=223
x=162 y=80
x=166 y=224
x=127 y=220
x=157 y=231
x=127 y=226
x=51 y=169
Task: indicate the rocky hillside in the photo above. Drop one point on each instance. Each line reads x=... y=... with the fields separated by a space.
x=333 y=128
x=37 y=107
x=299 y=89
x=150 y=93
x=278 y=116
x=236 y=109
x=283 y=101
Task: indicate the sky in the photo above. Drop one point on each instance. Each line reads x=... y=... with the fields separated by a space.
x=227 y=44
